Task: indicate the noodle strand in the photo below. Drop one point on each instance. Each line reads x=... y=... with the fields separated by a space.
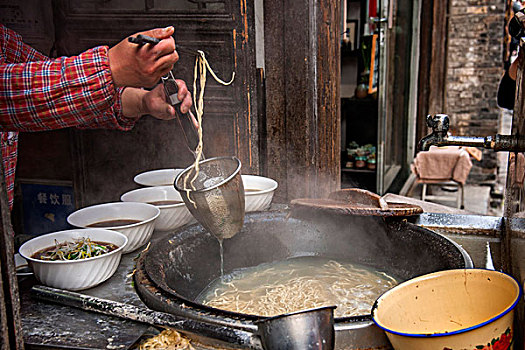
x=200 y=69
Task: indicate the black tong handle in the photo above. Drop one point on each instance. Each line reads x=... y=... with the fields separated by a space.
x=141 y=39
x=185 y=120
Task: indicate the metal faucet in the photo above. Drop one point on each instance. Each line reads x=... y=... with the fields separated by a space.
x=439 y=137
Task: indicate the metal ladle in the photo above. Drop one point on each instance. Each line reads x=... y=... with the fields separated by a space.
x=302 y=330
x=216 y=196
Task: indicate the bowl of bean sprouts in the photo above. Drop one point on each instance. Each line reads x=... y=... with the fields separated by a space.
x=74 y=259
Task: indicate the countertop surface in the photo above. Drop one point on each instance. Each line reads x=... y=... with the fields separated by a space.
x=55 y=326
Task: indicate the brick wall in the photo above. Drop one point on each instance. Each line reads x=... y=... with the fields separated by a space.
x=474 y=68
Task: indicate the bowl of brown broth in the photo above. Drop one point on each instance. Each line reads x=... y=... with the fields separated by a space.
x=135 y=220
x=258 y=192
x=74 y=259
x=173 y=211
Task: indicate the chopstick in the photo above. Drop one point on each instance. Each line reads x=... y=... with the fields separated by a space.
x=141 y=39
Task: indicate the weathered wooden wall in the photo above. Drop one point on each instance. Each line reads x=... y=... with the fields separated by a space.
x=296 y=140
x=302 y=49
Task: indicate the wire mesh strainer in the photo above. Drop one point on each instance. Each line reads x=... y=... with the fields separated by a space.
x=216 y=196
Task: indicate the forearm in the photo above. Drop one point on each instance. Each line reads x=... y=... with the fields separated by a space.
x=59 y=93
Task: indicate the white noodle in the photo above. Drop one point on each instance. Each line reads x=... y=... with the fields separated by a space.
x=274 y=291
x=200 y=69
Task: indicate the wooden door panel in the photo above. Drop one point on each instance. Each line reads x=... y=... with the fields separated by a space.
x=112 y=6
x=224 y=33
x=151 y=6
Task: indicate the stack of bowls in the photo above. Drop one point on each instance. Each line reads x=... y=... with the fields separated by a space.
x=160 y=177
x=258 y=190
x=173 y=211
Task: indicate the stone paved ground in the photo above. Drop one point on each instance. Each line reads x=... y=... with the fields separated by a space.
x=477 y=199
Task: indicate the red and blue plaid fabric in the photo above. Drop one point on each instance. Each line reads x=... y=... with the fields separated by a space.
x=38 y=93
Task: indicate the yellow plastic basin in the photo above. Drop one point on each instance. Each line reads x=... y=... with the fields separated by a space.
x=452 y=309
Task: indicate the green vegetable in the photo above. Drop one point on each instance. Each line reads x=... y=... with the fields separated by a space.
x=81 y=248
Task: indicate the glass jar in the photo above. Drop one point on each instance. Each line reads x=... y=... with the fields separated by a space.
x=371 y=164
x=360 y=162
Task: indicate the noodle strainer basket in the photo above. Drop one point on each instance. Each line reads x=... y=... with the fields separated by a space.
x=216 y=195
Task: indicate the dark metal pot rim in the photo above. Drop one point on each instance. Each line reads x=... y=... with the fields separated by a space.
x=237 y=316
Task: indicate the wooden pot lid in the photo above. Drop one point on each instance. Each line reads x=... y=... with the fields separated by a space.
x=356 y=201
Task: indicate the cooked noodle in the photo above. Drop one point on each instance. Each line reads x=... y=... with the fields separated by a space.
x=168 y=339
x=200 y=69
x=295 y=285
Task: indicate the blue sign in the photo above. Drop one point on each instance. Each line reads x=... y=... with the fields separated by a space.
x=46 y=208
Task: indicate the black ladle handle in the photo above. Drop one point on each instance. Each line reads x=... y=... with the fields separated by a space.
x=141 y=39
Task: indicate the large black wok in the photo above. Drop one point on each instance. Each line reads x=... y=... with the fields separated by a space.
x=182 y=264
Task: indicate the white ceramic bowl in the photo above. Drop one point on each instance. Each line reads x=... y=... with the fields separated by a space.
x=160 y=177
x=258 y=192
x=138 y=232
x=171 y=216
x=74 y=274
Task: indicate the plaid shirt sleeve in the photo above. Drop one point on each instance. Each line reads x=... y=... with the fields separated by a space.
x=37 y=93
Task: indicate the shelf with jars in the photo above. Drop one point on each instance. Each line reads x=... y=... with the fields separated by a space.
x=359 y=158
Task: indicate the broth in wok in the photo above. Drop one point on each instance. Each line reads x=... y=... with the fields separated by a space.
x=296 y=284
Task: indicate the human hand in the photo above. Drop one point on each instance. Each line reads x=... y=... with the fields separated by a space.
x=138 y=102
x=143 y=65
x=154 y=102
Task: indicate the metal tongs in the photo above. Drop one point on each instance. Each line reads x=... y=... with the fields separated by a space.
x=171 y=90
x=185 y=120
